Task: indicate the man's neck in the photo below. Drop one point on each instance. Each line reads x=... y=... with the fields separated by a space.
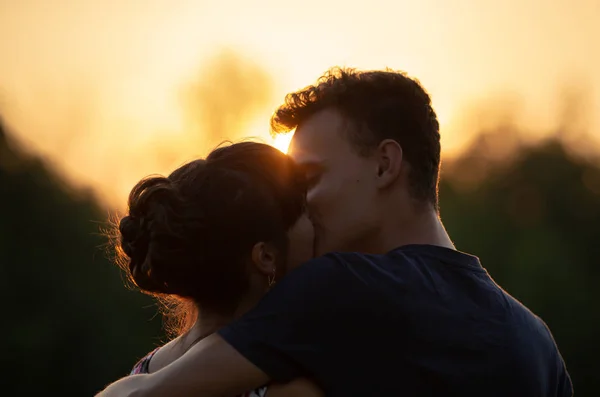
x=423 y=227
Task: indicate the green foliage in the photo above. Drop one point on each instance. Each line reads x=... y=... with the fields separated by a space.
x=533 y=221
x=69 y=325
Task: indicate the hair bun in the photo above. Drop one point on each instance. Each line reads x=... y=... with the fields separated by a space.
x=135 y=238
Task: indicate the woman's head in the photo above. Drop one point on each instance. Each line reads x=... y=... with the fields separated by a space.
x=213 y=226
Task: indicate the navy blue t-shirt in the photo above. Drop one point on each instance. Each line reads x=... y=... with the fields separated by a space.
x=419 y=321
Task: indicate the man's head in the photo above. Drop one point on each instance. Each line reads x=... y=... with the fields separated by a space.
x=370 y=145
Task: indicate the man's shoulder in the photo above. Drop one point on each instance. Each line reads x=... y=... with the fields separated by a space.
x=344 y=258
x=397 y=259
x=407 y=267
x=335 y=270
x=353 y=262
x=352 y=270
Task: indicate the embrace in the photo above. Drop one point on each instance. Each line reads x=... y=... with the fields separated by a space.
x=326 y=271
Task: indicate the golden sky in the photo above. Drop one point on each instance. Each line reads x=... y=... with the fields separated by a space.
x=112 y=90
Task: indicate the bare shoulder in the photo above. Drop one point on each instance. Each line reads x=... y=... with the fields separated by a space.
x=296 y=388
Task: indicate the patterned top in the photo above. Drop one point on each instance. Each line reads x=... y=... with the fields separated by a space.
x=142 y=368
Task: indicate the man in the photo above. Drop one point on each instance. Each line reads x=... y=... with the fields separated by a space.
x=395 y=310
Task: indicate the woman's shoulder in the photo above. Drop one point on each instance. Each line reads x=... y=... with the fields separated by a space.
x=141 y=367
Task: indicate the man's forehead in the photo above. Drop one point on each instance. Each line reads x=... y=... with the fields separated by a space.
x=317 y=138
x=305 y=156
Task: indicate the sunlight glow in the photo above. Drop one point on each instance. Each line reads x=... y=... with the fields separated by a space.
x=282 y=141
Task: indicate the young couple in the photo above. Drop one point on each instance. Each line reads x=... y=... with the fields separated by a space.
x=386 y=306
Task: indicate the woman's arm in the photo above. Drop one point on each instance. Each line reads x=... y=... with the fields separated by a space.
x=211 y=368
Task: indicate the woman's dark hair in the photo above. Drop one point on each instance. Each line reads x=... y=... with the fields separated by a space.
x=190 y=235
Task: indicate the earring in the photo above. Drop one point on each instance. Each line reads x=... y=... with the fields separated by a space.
x=272 y=278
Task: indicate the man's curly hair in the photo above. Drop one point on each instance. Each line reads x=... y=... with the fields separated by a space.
x=379 y=105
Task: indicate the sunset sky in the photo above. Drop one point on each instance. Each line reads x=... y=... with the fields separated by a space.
x=110 y=91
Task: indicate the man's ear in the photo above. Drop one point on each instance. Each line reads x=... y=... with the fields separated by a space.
x=264 y=257
x=389 y=162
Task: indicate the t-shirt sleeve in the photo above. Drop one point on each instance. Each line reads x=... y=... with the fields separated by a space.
x=289 y=332
x=565 y=385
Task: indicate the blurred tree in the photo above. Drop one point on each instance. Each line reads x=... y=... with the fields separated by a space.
x=69 y=324
x=224 y=97
x=533 y=220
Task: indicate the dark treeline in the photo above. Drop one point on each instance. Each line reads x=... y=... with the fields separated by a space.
x=70 y=326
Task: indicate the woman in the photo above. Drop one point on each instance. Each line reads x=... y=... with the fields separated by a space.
x=210 y=239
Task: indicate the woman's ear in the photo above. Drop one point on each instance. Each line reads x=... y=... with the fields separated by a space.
x=264 y=257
